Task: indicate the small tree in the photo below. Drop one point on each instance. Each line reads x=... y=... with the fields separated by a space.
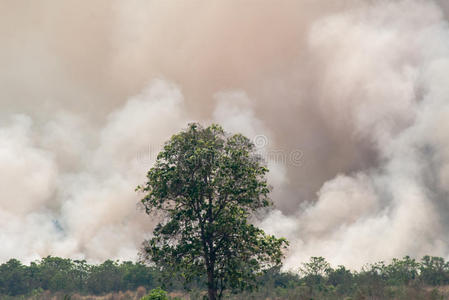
x=315 y=270
x=156 y=294
x=205 y=185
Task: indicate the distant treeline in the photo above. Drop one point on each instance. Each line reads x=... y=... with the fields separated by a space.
x=66 y=275
x=314 y=279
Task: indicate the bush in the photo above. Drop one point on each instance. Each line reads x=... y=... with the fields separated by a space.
x=156 y=294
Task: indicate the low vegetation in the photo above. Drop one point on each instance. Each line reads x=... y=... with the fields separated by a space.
x=61 y=278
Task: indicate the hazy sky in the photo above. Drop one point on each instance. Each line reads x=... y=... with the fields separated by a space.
x=347 y=99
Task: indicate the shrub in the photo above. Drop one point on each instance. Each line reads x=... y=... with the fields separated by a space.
x=156 y=294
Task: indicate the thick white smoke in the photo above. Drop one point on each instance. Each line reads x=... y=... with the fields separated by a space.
x=347 y=100
x=89 y=208
x=384 y=81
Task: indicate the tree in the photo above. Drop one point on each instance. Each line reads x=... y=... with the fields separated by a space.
x=105 y=278
x=402 y=271
x=13 y=278
x=135 y=275
x=56 y=274
x=434 y=270
x=204 y=186
x=342 y=279
x=315 y=270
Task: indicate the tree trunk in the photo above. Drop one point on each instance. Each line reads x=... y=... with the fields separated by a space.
x=211 y=288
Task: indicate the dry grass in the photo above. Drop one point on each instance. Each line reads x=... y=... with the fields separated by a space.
x=128 y=295
x=401 y=293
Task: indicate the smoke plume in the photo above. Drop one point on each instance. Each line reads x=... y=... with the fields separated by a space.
x=348 y=101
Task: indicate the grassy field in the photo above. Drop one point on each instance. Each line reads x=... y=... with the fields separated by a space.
x=298 y=293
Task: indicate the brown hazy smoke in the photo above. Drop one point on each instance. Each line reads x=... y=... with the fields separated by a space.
x=346 y=99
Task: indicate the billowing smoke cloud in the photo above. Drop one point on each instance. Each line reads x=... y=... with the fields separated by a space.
x=347 y=100
x=68 y=191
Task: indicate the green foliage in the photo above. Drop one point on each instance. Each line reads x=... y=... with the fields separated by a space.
x=404 y=278
x=342 y=279
x=65 y=275
x=56 y=275
x=402 y=271
x=317 y=266
x=315 y=270
x=135 y=275
x=206 y=184
x=156 y=294
x=434 y=270
x=105 y=277
x=14 y=277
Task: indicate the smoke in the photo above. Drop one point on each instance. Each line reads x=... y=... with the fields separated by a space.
x=68 y=190
x=346 y=100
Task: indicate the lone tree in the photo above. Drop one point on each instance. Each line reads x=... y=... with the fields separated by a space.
x=205 y=185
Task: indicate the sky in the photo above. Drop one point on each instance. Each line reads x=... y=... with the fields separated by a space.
x=347 y=100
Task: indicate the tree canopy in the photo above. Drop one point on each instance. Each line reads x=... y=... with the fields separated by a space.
x=204 y=186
